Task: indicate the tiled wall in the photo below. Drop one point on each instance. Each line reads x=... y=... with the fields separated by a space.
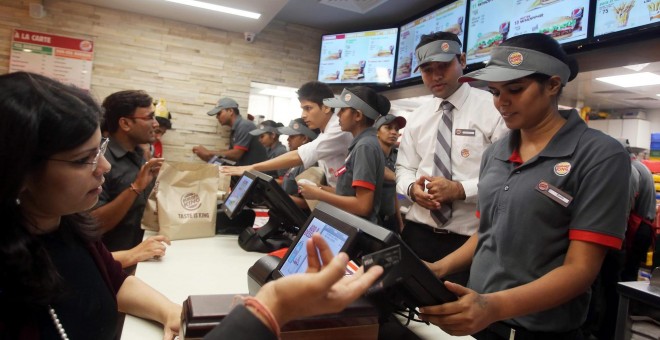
x=189 y=66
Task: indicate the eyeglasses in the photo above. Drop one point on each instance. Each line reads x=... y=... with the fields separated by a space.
x=94 y=162
x=151 y=116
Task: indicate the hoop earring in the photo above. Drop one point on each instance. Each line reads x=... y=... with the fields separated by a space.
x=18 y=201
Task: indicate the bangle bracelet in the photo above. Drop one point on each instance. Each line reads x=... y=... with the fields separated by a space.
x=250 y=301
x=412 y=197
x=135 y=190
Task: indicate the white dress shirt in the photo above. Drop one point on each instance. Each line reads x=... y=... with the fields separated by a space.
x=476 y=125
x=329 y=149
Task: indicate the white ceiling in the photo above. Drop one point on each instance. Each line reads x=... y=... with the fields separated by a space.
x=583 y=90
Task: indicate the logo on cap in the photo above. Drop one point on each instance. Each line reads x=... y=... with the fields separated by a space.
x=347 y=97
x=296 y=126
x=515 y=59
x=444 y=47
x=562 y=169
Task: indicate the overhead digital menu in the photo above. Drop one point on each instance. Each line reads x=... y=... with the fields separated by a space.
x=68 y=60
x=446 y=19
x=360 y=57
x=618 y=15
x=492 y=21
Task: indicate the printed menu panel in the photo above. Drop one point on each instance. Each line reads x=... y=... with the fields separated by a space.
x=449 y=18
x=618 y=15
x=492 y=21
x=360 y=57
x=68 y=60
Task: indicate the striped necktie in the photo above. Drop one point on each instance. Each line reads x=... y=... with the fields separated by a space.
x=442 y=158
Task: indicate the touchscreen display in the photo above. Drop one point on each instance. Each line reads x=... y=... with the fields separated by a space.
x=237 y=193
x=296 y=262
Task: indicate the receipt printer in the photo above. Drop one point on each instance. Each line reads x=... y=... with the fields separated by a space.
x=261 y=272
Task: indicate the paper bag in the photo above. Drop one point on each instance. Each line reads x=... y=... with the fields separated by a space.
x=316 y=175
x=187 y=200
x=150 y=216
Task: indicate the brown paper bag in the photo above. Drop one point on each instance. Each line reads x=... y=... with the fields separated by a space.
x=186 y=200
x=150 y=216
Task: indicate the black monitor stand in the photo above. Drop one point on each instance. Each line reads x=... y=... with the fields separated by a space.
x=272 y=236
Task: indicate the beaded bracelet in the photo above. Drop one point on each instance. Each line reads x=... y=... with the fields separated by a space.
x=250 y=301
x=135 y=190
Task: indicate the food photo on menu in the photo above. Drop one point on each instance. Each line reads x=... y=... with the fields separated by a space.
x=618 y=15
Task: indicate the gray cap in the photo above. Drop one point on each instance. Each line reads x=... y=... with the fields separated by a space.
x=223 y=103
x=266 y=126
x=389 y=118
x=297 y=127
x=510 y=62
x=349 y=99
x=437 y=50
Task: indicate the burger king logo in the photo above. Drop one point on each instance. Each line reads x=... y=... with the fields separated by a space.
x=191 y=201
x=444 y=47
x=543 y=186
x=296 y=126
x=459 y=132
x=347 y=97
x=465 y=153
x=515 y=59
x=86 y=45
x=562 y=169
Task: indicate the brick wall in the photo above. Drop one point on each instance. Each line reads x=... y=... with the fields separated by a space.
x=189 y=66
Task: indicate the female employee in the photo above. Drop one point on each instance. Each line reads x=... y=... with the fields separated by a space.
x=57 y=280
x=360 y=179
x=552 y=200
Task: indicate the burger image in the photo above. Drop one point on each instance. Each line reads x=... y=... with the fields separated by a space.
x=351 y=71
x=486 y=43
x=559 y=28
x=403 y=69
x=332 y=76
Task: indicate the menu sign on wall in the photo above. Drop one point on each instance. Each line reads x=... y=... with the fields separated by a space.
x=618 y=15
x=68 y=60
x=360 y=57
x=492 y=21
x=449 y=18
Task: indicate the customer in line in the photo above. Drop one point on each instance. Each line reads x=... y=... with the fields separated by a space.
x=441 y=178
x=360 y=178
x=58 y=279
x=552 y=201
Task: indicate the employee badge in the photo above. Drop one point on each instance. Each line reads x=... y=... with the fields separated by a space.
x=554 y=193
x=465 y=132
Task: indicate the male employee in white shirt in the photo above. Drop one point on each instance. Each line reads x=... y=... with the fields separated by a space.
x=475 y=125
x=329 y=149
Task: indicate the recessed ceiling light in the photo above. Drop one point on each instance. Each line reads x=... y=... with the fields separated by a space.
x=637 y=67
x=632 y=80
x=658 y=94
x=218 y=8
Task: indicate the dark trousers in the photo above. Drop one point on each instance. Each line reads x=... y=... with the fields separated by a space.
x=431 y=246
x=637 y=254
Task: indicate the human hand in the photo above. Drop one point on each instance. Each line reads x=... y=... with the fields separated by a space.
x=422 y=197
x=172 y=325
x=234 y=170
x=323 y=289
x=443 y=190
x=202 y=152
x=471 y=313
x=309 y=191
x=147 y=173
x=151 y=248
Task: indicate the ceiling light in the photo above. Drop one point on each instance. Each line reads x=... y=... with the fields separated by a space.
x=658 y=94
x=637 y=67
x=633 y=80
x=218 y=8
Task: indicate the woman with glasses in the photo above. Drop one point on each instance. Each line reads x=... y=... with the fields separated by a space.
x=57 y=280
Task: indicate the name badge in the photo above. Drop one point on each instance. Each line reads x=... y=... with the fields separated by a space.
x=340 y=171
x=465 y=132
x=554 y=193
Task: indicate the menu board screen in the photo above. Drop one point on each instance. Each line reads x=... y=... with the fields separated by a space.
x=492 y=21
x=618 y=15
x=449 y=18
x=360 y=57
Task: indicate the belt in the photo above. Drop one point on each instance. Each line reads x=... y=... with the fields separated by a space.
x=510 y=333
x=435 y=230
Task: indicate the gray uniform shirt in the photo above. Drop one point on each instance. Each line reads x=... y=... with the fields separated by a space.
x=645 y=201
x=243 y=140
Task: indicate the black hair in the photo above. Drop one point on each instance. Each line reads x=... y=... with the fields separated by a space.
x=315 y=91
x=164 y=122
x=377 y=101
x=123 y=104
x=427 y=38
x=547 y=45
x=39 y=117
